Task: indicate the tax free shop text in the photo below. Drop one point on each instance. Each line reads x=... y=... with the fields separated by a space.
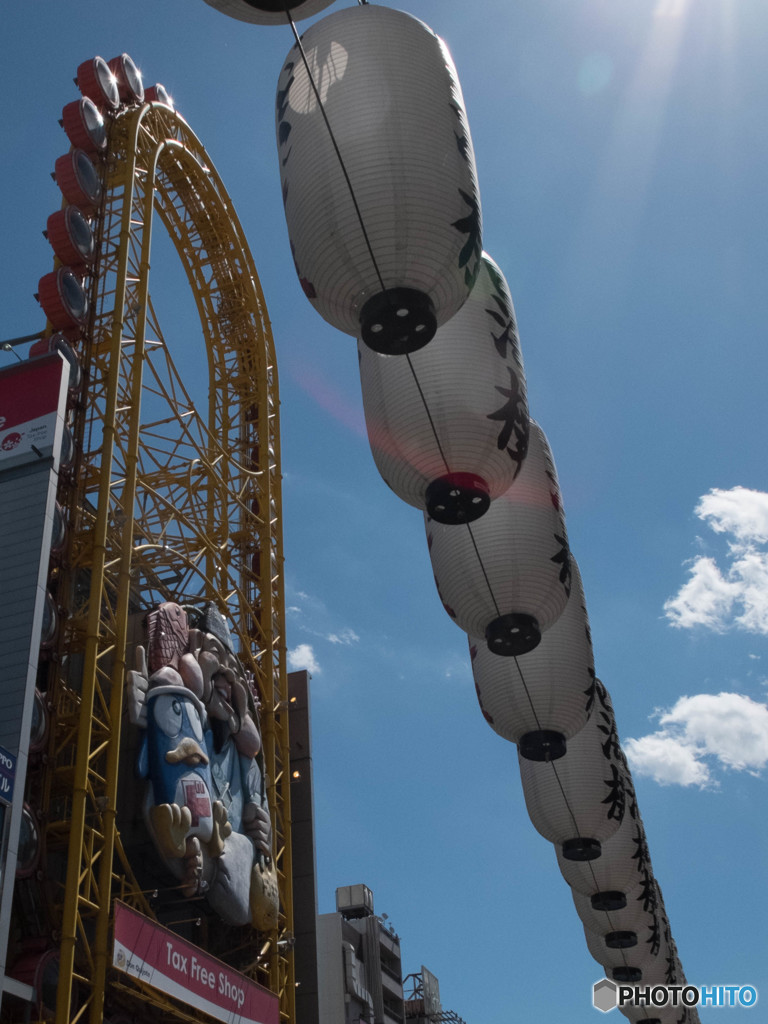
x=196 y=971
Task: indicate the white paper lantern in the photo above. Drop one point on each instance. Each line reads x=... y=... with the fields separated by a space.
x=662 y=967
x=268 y=12
x=387 y=247
x=646 y=963
x=621 y=938
x=448 y=425
x=578 y=801
x=619 y=949
x=638 y=909
x=507 y=576
x=656 y=1014
x=623 y=864
x=665 y=968
x=539 y=700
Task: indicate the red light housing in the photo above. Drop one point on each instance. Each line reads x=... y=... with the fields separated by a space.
x=30 y=844
x=41 y=718
x=96 y=81
x=63 y=299
x=128 y=78
x=71 y=237
x=85 y=126
x=158 y=94
x=79 y=181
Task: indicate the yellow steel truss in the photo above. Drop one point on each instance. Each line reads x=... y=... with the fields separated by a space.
x=166 y=504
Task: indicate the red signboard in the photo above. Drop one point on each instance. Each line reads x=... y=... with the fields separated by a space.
x=31 y=397
x=158 y=957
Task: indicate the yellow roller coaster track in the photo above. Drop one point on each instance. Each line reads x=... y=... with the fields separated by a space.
x=163 y=504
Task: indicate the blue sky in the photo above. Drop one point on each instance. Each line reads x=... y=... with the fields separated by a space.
x=621 y=149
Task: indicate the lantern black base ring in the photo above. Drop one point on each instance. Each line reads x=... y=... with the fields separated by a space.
x=398 y=321
x=621 y=940
x=608 y=900
x=513 y=634
x=629 y=975
x=542 y=745
x=457 y=498
x=273 y=6
x=582 y=849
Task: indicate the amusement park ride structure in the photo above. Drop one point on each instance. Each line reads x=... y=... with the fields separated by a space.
x=162 y=503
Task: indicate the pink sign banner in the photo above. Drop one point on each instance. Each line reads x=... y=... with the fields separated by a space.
x=160 y=958
x=31 y=396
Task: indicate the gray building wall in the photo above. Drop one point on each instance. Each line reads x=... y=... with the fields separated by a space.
x=28 y=483
x=330 y=970
x=359 y=968
x=26 y=518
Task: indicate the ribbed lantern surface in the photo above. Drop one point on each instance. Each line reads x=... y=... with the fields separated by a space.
x=394 y=104
x=650 y=959
x=507 y=576
x=630 y=939
x=622 y=865
x=658 y=1014
x=578 y=801
x=268 y=12
x=639 y=910
x=448 y=424
x=542 y=698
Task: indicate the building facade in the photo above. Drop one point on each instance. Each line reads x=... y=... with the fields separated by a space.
x=360 y=977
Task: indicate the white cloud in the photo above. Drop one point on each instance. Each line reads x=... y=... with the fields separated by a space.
x=742 y=512
x=666 y=760
x=705 y=600
x=707 y=730
x=737 y=596
x=730 y=726
x=301 y=657
x=751 y=571
x=344 y=636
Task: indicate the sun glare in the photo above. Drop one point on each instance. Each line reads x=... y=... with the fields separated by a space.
x=671 y=8
x=621 y=183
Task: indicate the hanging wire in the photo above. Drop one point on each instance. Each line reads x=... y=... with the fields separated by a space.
x=429 y=414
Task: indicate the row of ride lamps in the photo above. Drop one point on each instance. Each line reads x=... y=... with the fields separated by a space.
x=63 y=293
x=106 y=87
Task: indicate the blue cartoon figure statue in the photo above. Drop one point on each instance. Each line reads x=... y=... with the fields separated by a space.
x=205 y=804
